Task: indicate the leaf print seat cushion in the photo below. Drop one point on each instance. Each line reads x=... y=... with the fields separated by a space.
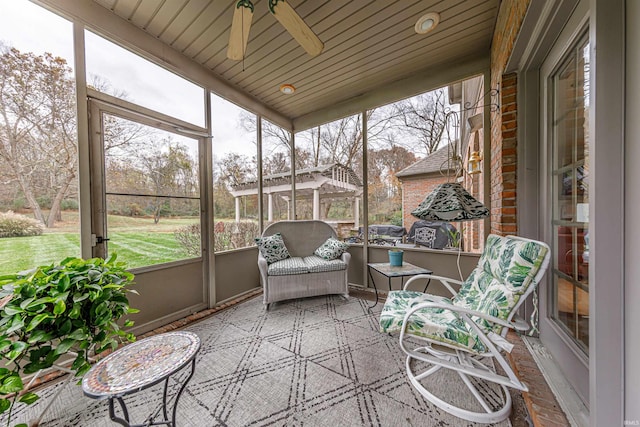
x=435 y=323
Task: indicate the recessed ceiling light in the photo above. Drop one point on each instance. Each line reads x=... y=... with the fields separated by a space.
x=427 y=22
x=287 y=89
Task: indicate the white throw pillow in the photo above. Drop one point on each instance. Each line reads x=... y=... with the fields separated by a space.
x=272 y=248
x=332 y=248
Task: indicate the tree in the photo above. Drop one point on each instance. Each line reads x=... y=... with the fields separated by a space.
x=424 y=118
x=385 y=190
x=166 y=169
x=234 y=169
x=387 y=162
x=270 y=131
x=38 y=126
x=277 y=163
x=276 y=142
x=120 y=134
x=169 y=172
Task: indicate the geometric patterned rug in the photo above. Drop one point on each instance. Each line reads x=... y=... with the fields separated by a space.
x=307 y=362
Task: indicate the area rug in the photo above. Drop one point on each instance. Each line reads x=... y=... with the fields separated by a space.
x=308 y=362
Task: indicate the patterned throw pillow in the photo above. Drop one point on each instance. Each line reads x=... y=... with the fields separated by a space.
x=272 y=248
x=332 y=248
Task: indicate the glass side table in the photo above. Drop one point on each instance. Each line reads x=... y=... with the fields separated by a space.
x=138 y=366
x=389 y=271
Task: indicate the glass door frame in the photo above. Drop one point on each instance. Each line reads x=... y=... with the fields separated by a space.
x=561 y=213
x=569 y=356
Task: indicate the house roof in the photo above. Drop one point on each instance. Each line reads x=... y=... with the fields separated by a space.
x=434 y=162
x=372 y=54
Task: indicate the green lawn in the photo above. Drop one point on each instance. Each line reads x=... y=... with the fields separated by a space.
x=22 y=253
x=137 y=241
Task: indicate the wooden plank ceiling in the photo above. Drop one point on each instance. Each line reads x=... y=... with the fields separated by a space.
x=368 y=43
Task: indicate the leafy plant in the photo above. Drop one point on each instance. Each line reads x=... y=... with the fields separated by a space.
x=455 y=238
x=53 y=310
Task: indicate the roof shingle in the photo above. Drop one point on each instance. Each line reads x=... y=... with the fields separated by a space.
x=434 y=162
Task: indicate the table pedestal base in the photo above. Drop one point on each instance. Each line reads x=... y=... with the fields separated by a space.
x=150 y=421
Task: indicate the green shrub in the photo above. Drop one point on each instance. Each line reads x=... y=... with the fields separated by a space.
x=16 y=225
x=69 y=205
x=396 y=218
x=189 y=238
x=135 y=210
x=44 y=202
x=227 y=235
x=18 y=203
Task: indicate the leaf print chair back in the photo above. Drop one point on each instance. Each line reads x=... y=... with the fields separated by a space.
x=467 y=332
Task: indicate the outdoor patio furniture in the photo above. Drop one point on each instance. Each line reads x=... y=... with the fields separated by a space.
x=302 y=274
x=138 y=366
x=383 y=234
x=389 y=271
x=431 y=234
x=467 y=333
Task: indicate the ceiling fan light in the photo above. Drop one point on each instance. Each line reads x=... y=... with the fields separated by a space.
x=287 y=89
x=427 y=23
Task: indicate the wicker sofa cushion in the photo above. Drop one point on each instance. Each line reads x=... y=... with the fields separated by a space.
x=302 y=265
x=293 y=265
x=319 y=265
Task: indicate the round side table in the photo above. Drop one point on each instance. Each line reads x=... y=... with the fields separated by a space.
x=138 y=366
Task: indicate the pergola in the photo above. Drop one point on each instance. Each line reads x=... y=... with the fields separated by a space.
x=320 y=183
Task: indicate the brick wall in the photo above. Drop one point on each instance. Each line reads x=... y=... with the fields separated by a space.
x=503 y=121
x=413 y=192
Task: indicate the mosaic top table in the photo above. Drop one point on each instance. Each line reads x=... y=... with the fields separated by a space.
x=390 y=271
x=140 y=365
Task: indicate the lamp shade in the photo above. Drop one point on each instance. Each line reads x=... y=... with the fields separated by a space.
x=450 y=202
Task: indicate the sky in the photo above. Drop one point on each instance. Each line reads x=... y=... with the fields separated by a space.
x=31 y=28
x=145 y=83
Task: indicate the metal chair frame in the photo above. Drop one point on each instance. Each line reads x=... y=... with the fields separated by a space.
x=462 y=361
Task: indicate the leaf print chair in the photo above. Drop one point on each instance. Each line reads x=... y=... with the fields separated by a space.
x=467 y=332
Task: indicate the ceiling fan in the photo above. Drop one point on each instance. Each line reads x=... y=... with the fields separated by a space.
x=290 y=20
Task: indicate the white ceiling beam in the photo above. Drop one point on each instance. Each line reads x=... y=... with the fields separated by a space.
x=423 y=81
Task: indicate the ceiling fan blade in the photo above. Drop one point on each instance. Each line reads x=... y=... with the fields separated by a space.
x=240 y=27
x=298 y=29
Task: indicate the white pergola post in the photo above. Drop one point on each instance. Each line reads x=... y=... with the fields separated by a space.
x=237 y=208
x=356 y=212
x=270 y=207
x=316 y=203
x=288 y=210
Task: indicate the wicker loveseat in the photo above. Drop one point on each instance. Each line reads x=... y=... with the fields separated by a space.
x=303 y=274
